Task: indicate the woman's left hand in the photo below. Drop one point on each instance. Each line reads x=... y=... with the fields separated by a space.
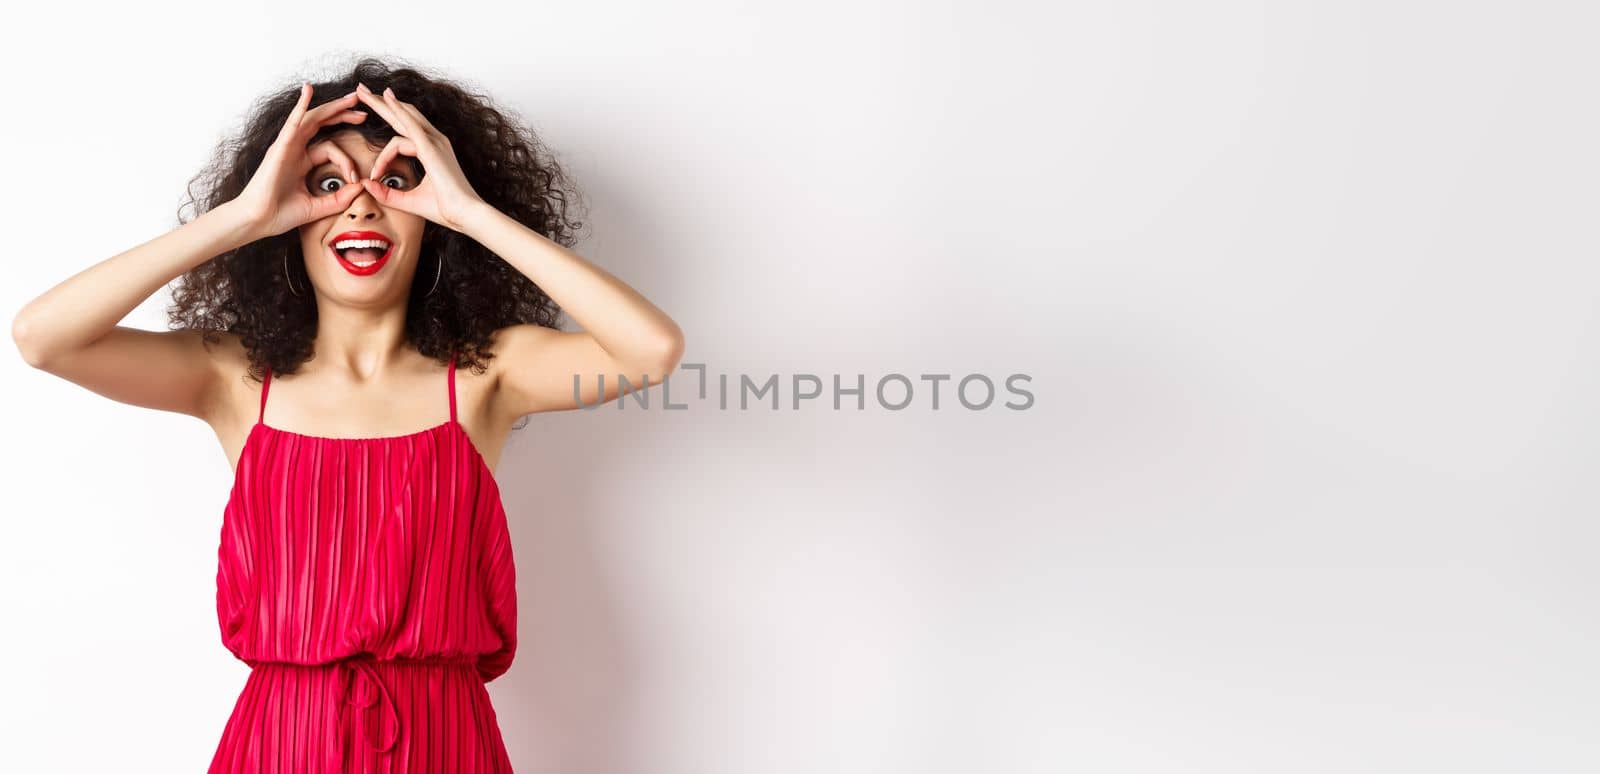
x=444 y=196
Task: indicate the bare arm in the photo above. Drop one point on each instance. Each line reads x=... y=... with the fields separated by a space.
x=623 y=333
x=71 y=330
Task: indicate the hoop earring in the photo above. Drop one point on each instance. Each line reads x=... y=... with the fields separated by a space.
x=436 y=272
x=286 y=279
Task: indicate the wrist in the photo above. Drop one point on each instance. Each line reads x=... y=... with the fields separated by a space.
x=239 y=226
x=475 y=217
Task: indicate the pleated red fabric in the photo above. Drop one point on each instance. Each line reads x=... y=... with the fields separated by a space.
x=369 y=584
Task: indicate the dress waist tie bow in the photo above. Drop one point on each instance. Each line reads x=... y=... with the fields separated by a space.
x=361 y=688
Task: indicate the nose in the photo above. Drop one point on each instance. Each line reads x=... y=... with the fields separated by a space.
x=363 y=208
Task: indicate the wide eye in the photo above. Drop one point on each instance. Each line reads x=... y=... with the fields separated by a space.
x=323 y=188
x=403 y=182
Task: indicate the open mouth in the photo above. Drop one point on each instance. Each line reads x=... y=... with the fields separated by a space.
x=361 y=252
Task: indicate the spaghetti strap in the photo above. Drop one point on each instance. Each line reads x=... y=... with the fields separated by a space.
x=266 y=382
x=452 y=379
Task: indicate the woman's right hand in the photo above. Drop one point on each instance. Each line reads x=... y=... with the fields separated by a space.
x=276 y=198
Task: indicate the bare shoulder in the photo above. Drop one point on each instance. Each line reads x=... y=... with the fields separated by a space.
x=233 y=411
x=512 y=347
x=232 y=365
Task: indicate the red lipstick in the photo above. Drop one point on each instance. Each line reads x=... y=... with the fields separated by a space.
x=362 y=270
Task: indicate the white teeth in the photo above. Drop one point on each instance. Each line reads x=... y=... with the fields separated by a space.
x=378 y=244
x=347 y=243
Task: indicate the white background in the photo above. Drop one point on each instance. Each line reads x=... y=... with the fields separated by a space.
x=1306 y=291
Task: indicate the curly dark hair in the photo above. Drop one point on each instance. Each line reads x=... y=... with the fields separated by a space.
x=245 y=291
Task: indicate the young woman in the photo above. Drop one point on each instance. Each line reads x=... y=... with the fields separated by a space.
x=351 y=253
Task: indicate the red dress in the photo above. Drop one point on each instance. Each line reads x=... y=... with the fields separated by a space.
x=369 y=584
